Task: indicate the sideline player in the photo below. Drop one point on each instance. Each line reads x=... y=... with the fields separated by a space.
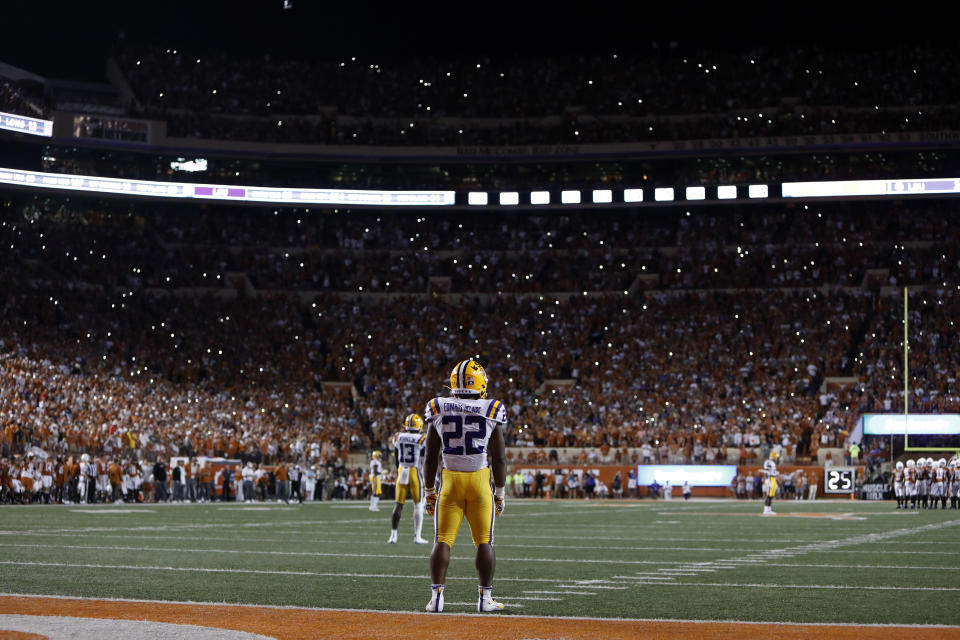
x=408 y=449
x=938 y=484
x=466 y=428
x=910 y=484
x=375 y=487
x=898 y=477
x=954 y=483
x=770 y=471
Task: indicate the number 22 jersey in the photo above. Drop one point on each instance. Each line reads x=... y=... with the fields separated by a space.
x=465 y=426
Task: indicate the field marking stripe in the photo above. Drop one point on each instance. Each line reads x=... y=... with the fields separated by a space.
x=333 y=574
x=377 y=541
x=755 y=585
x=300 y=623
x=321 y=554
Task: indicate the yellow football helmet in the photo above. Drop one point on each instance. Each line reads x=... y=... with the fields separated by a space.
x=413 y=422
x=775 y=456
x=375 y=455
x=468 y=378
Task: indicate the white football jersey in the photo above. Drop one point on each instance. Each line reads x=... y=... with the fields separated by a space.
x=770 y=468
x=409 y=446
x=465 y=426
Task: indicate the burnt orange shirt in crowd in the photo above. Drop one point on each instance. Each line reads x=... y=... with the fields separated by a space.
x=115 y=473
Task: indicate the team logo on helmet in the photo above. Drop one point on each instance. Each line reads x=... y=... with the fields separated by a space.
x=468 y=378
x=413 y=422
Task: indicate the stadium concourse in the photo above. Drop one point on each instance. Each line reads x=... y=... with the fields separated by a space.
x=140 y=333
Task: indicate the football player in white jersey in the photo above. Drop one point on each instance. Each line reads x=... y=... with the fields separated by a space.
x=954 y=484
x=898 y=477
x=466 y=428
x=770 y=474
x=923 y=481
x=408 y=448
x=910 y=484
x=375 y=487
x=938 y=484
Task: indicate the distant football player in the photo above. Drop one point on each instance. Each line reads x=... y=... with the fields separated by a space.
x=954 y=490
x=898 y=476
x=467 y=429
x=910 y=484
x=408 y=449
x=376 y=469
x=938 y=484
x=770 y=482
x=923 y=482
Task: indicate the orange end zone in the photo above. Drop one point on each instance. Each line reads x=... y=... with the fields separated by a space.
x=310 y=624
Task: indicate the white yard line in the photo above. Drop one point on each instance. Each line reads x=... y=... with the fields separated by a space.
x=334 y=574
x=242 y=552
x=752 y=585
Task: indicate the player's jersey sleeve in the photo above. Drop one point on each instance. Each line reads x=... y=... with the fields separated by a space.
x=431 y=411
x=497 y=412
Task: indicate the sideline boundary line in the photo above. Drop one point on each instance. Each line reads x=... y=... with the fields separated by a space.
x=878 y=625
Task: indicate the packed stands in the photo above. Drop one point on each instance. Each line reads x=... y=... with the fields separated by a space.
x=178 y=326
x=548 y=100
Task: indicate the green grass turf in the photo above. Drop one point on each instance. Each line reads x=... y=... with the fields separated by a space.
x=555 y=558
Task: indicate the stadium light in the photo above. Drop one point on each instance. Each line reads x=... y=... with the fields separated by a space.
x=508 y=198
x=727 y=192
x=570 y=197
x=633 y=195
x=758 y=191
x=663 y=194
x=696 y=193
x=539 y=197
x=478 y=198
x=602 y=196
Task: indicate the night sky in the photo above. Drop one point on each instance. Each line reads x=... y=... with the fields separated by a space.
x=71 y=40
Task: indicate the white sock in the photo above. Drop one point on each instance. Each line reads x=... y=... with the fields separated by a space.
x=417 y=519
x=373 y=502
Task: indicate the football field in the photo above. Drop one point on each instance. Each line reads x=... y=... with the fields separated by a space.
x=821 y=562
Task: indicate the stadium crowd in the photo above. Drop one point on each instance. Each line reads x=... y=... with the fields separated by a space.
x=100 y=354
x=545 y=100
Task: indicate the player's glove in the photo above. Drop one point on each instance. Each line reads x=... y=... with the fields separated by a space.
x=498 y=500
x=430 y=501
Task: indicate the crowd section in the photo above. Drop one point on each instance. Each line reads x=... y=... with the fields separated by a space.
x=546 y=100
x=117 y=246
x=22 y=99
x=97 y=358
